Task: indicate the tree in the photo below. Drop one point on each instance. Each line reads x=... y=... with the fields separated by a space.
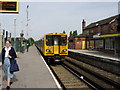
x=31 y=41
x=75 y=33
x=21 y=37
x=71 y=34
x=21 y=34
x=12 y=39
x=64 y=31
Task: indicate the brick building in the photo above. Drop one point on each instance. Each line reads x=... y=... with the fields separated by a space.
x=77 y=42
x=103 y=35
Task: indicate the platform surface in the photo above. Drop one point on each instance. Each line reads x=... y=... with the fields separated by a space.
x=33 y=72
x=96 y=54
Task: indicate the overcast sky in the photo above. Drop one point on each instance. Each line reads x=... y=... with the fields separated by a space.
x=47 y=17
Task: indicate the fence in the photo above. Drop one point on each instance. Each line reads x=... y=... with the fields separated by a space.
x=19 y=46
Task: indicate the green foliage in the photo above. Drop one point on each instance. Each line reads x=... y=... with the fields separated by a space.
x=12 y=39
x=75 y=33
x=71 y=34
x=31 y=41
x=64 y=31
x=21 y=34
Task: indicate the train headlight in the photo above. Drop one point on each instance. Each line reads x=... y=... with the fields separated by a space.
x=64 y=50
x=47 y=50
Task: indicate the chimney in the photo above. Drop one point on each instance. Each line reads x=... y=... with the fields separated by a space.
x=83 y=24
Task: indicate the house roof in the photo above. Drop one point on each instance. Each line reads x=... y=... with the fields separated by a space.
x=102 y=22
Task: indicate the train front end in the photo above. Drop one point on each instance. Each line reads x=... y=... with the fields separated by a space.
x=56 y=46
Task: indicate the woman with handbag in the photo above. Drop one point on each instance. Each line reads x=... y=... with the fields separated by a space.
x=8 y=54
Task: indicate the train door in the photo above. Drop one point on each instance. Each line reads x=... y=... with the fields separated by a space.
x=56 y=44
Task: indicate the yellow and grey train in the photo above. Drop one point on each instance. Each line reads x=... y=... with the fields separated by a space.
x=54 y=46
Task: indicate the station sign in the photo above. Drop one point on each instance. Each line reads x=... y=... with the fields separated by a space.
x=96 y=36
x=9 y=6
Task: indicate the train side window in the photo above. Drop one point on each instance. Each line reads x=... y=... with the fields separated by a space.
x=49 y=40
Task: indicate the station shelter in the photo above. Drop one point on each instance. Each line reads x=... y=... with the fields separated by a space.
x=77 y=42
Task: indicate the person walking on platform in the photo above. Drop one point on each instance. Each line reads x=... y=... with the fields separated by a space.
x=28 y=45
x=8 y=54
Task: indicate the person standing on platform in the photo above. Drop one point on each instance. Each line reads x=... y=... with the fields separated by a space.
x=8 y=54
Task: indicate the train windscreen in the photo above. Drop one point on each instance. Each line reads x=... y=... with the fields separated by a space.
x=56 y=40
x=63 y=40
x=49 y=40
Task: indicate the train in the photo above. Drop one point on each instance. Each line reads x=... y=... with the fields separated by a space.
x=54 y=46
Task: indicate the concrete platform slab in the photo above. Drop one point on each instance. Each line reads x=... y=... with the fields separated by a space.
x=33 y=72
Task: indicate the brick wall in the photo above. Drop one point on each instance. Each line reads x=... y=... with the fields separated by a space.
x=103 y=29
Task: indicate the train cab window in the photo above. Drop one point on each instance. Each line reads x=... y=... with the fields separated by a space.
x=63 y=40
x=56 y=39
x=49 y=40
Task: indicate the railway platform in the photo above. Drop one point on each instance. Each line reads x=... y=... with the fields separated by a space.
x=98 y=59
x=96 y=54
x=34 y=72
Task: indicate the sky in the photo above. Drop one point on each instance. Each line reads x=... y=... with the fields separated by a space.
x=48 y=17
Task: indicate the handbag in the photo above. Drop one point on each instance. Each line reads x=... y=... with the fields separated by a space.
x=14 y=66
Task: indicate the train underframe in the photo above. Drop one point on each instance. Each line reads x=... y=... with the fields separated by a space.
x=55 y=59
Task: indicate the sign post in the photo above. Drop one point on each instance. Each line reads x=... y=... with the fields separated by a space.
x=7 y=6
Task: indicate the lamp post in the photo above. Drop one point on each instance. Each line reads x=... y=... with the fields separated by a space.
x=14 y=31
x=3 y=38
x=27 y=19
x=15 y=28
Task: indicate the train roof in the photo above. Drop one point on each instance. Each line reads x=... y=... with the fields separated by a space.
x=52 y=34
x=55 y=34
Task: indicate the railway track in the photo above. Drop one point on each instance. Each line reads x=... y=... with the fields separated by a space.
x=97 y=77
x=68 y=79
x=77 y=74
